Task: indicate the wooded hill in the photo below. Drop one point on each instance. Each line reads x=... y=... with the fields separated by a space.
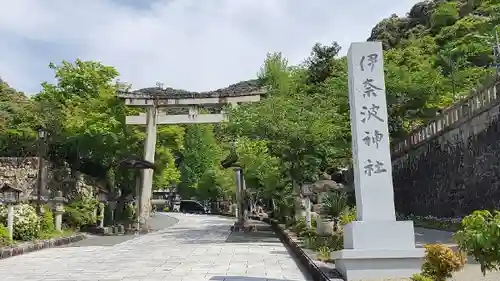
x=434 y=56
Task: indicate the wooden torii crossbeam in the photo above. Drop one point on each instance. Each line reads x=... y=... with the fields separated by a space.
x=159 y=101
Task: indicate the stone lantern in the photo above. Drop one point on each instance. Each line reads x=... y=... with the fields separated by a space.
x=321 y=187
x=10 y=196
x=142 y=204
x=103 y=199
x=58 y=209
x=306 y=192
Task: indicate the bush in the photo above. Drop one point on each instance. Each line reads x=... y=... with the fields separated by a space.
x=323 y=253
x=348 y=216
x=129 y=213
x=420 y=277
x=480 y=238
x=334 y=203
x=4 y=236
x=26 y=222
x=334 y=242
x=440 y=262
x=80 y=212
x=299 y=226
x=47 y=222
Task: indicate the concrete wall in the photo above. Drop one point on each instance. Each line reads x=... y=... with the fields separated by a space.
x=451 y=166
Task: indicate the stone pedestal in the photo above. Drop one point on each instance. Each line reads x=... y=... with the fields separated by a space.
x=378 y=250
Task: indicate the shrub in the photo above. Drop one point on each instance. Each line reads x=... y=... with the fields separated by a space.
x=129 y=212
x=26 y=222
x=420 y=277
x=80 y=212
x=323 y=253
x=4 y=236
x=314 y=222
x=299 y=226
x=348 y=216
x=334 y=242
x=440 y=262
x=334 y=203
x=47 y=222
x=480 y=237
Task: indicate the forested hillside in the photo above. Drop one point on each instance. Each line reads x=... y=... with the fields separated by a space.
x=434 y=56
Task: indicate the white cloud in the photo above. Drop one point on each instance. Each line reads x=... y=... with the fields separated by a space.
x=189 y=44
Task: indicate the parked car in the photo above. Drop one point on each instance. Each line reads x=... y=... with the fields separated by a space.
x=192 y=207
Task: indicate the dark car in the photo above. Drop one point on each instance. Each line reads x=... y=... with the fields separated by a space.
x=192 y=207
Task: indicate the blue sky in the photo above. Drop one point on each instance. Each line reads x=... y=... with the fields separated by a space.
x=189 y=44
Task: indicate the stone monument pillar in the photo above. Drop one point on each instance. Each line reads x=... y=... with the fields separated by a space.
x=376 y=246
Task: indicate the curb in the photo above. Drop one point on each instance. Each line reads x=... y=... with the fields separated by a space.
x=29 y=247
x=309 y=264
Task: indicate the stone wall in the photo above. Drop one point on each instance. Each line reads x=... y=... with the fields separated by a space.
x=23 y=173
x=451 y=166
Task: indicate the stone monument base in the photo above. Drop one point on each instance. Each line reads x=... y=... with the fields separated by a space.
x=378 y=264
x=384 y=249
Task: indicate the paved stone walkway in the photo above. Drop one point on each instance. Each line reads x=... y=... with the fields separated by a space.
x=158 y=222
x=196 y=248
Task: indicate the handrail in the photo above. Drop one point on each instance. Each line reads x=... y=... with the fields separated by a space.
x=479 y=99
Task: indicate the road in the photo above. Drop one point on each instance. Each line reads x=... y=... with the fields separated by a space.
x=197 y=247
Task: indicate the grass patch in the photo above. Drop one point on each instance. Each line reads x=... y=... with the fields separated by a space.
x=57 y=234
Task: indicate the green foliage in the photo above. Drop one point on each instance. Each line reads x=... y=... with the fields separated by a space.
x=200 y=171
x=80 y=212
x=129 y=212
x=420 y=277
x=47 y=221
x=347 y=216
x=323 y=253
x=166 y=209
x=334 y=203
x=4 y=236
x=480 y=238
x=444 y=15
x=26 y=222
x=440 y=262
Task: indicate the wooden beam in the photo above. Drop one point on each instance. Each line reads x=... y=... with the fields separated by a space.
x=147 y=101
x=177 y=119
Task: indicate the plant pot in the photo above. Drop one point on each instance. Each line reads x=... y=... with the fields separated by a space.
x=324 y=227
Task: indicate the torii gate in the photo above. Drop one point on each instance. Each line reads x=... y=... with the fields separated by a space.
x=159 y=102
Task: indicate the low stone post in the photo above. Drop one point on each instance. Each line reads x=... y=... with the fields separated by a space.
x=306 y=191
x=101 y=214
x=58 y=210
x=10 y=220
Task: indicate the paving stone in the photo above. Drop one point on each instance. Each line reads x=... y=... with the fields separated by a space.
x=196 y=248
